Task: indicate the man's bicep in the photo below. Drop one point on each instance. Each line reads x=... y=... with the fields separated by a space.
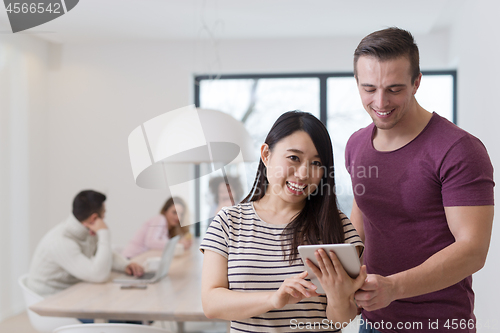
x=471 y=225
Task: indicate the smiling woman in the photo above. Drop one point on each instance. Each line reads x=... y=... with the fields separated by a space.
x=292 y=203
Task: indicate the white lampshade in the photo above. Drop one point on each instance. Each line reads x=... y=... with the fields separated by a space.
x=186 y=135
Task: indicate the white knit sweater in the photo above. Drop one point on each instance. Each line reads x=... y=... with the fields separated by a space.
x=68 y=254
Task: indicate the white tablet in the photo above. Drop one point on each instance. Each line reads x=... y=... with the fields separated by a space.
x=347 y=254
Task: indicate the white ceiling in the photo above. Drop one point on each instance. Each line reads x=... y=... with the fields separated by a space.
x=163 y=20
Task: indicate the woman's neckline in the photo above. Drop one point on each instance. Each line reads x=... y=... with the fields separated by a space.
x=270 y=224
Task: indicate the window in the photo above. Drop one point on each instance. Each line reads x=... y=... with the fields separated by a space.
x=258 y=100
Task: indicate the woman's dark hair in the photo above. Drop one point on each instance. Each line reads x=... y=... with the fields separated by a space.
x=87 y=203
x=175 y=230
x=319 y=221
x=389 y=44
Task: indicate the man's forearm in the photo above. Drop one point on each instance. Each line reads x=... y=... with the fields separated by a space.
x=445 y=268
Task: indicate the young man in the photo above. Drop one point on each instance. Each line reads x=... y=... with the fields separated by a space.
x=78 y=249
x=426 y=214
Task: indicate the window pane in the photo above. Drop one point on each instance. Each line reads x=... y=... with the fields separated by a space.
x=230 y=96
x=257 y=103
x=345 y=116
x=436 y=94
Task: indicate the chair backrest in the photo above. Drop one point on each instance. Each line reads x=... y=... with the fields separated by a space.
x=41 y=323
x=109 y=328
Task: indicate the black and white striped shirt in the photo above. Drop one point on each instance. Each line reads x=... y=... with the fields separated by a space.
x=256 y=263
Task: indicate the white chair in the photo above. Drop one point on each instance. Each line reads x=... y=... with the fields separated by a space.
x=41 y=323
x=109 y=328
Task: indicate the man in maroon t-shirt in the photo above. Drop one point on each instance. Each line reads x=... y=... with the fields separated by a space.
x=423 y=198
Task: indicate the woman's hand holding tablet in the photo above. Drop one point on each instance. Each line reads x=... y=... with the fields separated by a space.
x=344 y=261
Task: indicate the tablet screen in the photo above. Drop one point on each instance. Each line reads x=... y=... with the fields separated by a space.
x=347 y=254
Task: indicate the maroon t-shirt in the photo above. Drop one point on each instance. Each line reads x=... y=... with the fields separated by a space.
x=402 y=195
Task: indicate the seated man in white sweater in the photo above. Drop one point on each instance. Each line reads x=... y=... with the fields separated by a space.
x=78 y=249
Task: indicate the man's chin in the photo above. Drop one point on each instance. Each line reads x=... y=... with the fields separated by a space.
x=384 y=125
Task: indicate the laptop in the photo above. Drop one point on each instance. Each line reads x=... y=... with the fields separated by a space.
x=163 y=267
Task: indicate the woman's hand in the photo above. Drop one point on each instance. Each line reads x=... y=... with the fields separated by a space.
x=336 y=283
x=293 y=290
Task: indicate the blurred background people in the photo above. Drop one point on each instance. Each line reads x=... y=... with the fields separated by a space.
x=156 y=232
x=78 y=249
x=220 y=192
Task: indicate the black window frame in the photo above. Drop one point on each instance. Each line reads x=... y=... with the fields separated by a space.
x=323 y=102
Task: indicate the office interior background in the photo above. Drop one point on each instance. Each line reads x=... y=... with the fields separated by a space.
x=73 y=89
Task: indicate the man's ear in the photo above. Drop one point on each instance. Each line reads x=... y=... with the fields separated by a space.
x=90 y=220
x=416 y=84
x=264 y=153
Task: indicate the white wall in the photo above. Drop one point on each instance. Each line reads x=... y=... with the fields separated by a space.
x=475 y=44
x=23 y=160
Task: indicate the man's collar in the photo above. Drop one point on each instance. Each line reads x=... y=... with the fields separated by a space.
x=76 y=228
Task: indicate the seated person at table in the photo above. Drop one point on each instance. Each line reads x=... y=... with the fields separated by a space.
x=155 y=233
x=221 y=192
x=78 y=249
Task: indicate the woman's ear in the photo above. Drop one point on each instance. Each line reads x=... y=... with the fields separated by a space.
x=264 y=153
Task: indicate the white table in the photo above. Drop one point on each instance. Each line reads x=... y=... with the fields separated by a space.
x=177 y=297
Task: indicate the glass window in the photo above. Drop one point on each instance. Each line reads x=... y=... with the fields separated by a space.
x=257 y=103
x=436 y=94
x=258 y=100
x=345 y=116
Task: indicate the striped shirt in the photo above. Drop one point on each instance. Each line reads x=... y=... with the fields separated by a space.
x=256 y=264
